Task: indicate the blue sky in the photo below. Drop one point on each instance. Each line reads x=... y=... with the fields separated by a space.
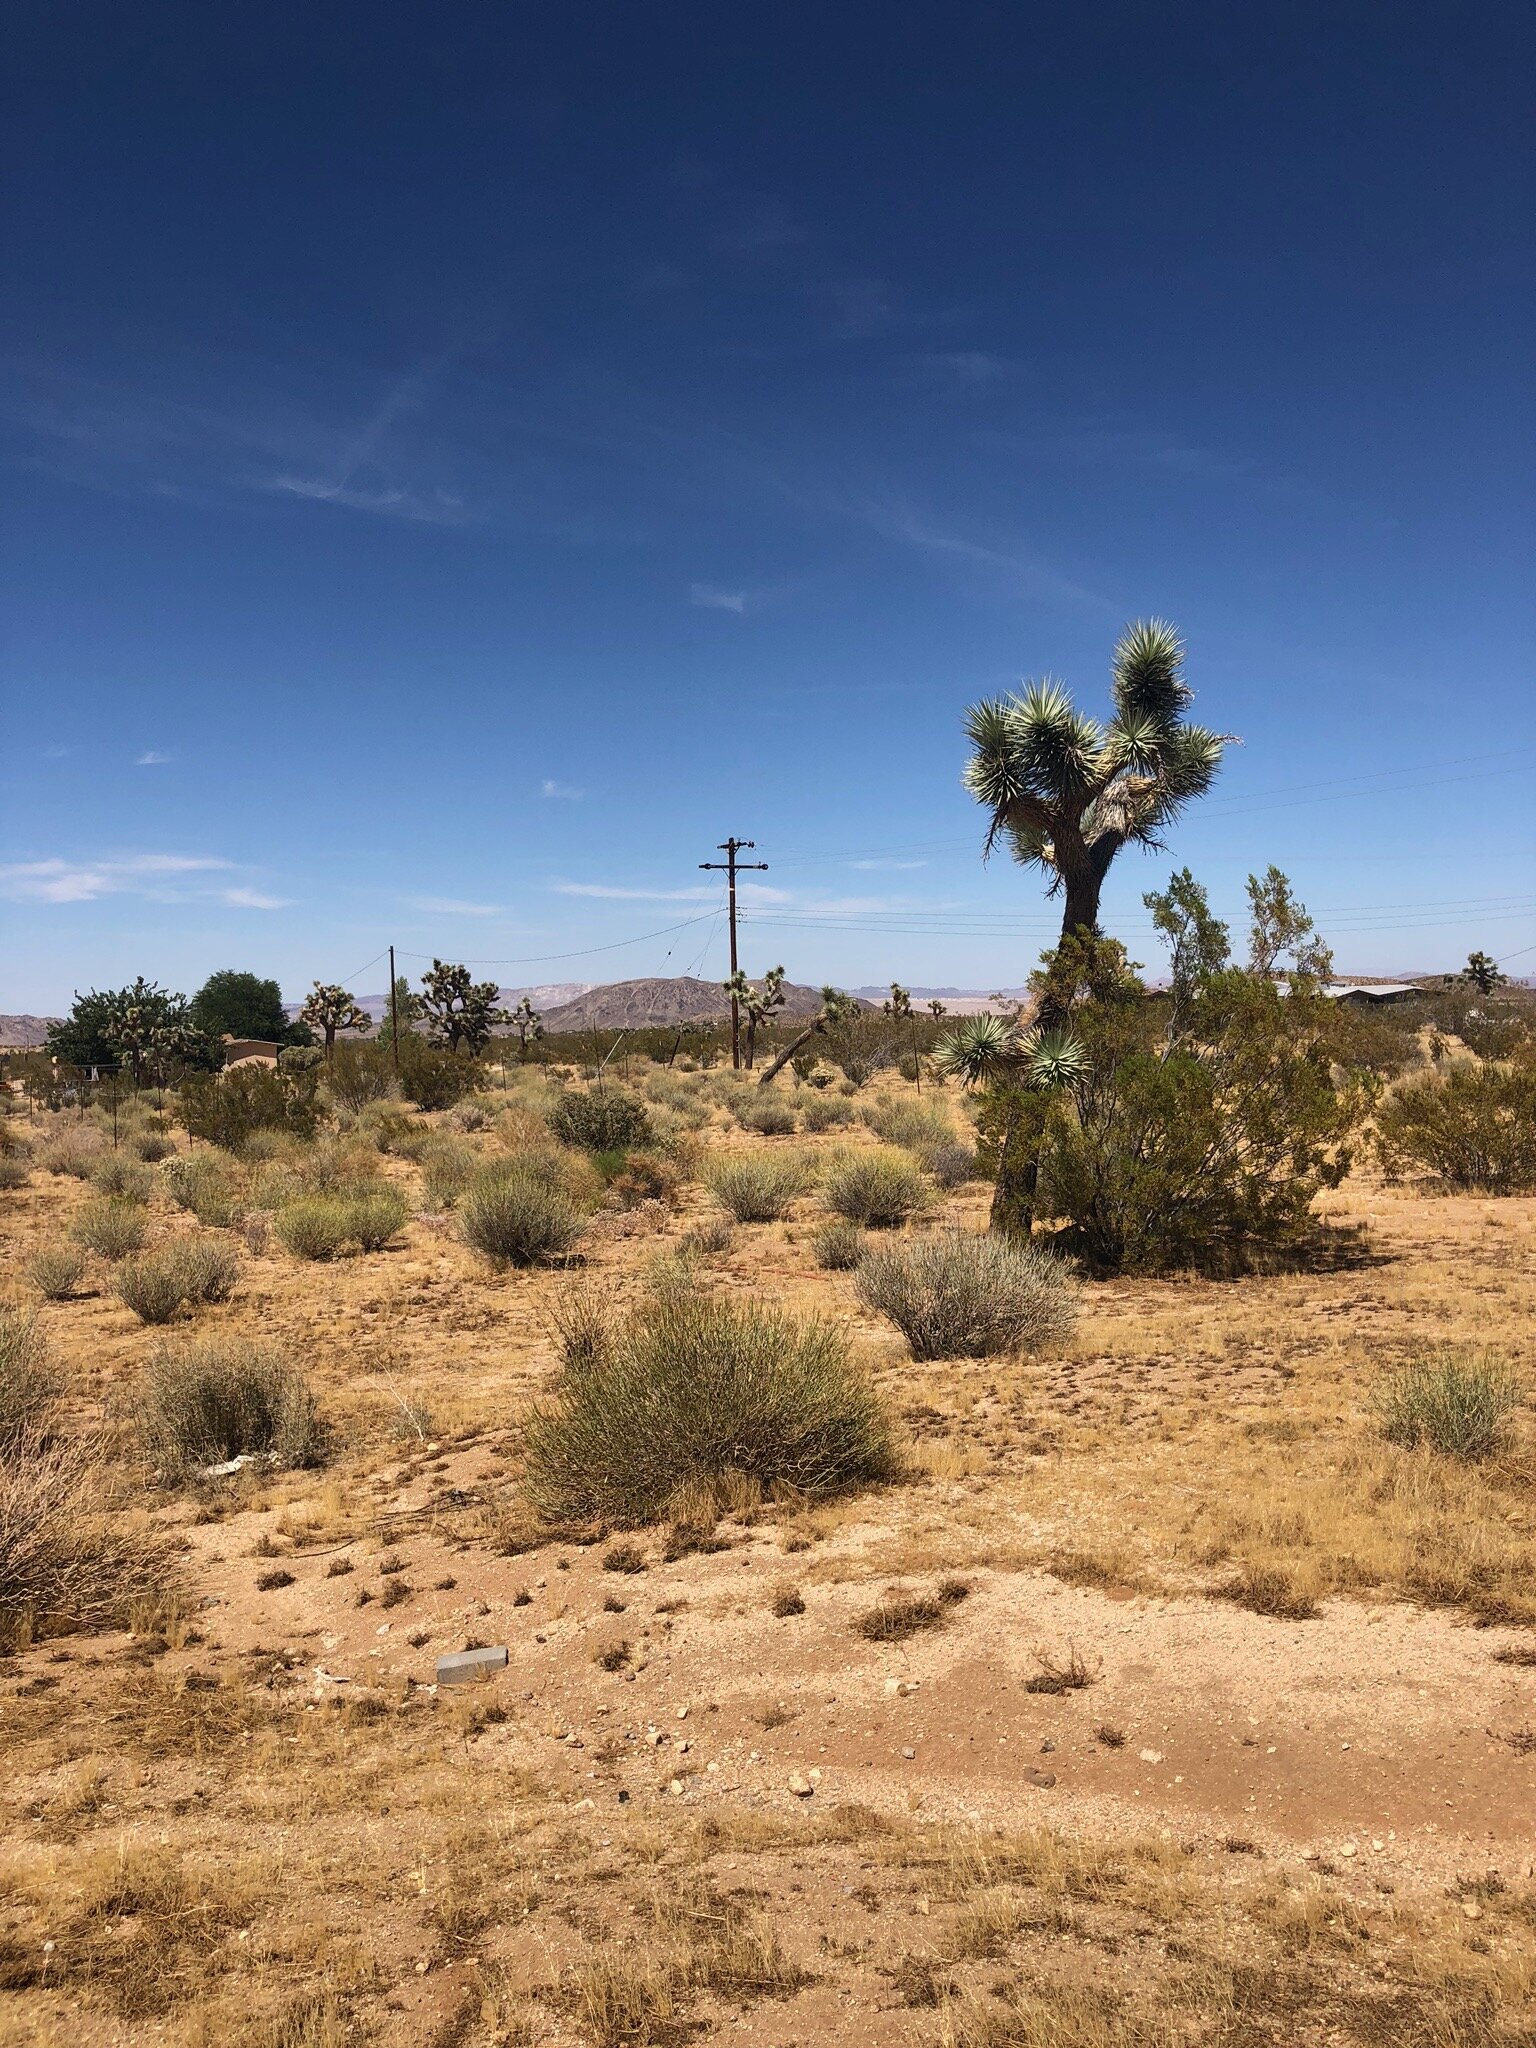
x=458 y=464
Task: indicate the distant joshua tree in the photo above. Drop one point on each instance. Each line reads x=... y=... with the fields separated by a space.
x=329 y=1009
x=837 y=1007
x=1482 y=973
x=757 y=1004
x=1067 y=793
x=459 y=1012
x=527 y=1023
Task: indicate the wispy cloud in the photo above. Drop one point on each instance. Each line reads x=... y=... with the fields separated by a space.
x=560 y=792
x=66 y=881
x=712 y=599
x=869 y=866
x=453 y=906
x=969 y=369
x=253 y=899
x=150 y=759
x=748 y=892
x=1030 y=574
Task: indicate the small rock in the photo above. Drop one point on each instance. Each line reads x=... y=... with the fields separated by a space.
x=682 y=1713
x=1151 y=1756
x=676 y=1788
x=1472 y=1911
x=801 y=1787
x=1047 y=1746
x=1044 y=1779
x=909 y=1754
x=1348 y=1849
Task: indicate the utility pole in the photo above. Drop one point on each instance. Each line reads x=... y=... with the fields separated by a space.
x=730 y=848
x=394 y=1014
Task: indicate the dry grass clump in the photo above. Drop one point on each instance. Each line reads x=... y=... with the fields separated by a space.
x=521 y=1210
x=880 y=1187
x=898 y=1615
x=208 y=1187
x=186 y=1274
x=757 y=1187
x=950 y=1162
x=117 y=1174
x=65 y=1562
x=1456 y=1401
x=448 y=1166
x=820 y=1112
x=151 y=1145
x=208 y=1403
x=15 y=1170
x=29 y=1385
x=325 y=1226
x=698 y=1393
x=770 y=1115
x=837 y=1245
x=959 y=1295
x=109 y=1226
x=56 y=1271
x=909 y=1121
x=73 y=1150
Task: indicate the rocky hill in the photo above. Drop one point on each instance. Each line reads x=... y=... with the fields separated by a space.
x=680 y=1000
x=23 y=1030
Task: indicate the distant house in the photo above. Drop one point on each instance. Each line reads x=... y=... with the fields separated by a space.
x=1371 y=992
x=249 y=1052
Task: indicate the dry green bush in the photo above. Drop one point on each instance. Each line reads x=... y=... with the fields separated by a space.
x=66 y=1563
x=1472 y=1128
x=826 y=1112
x=206 y=1404
x=73 y=1149
x=447 y=1168
x=519 y=1211
x=878 y=1187
x=56 y=1271
x=1454 y=1400
x=837 y=1245
x=207 y=1185
x=151 y=1146
x=600 y=1119
x=757 y=1187
x=909 y=1121
x=950 y=1164
x=29 y=1385
x=326 y=1226
x=770 y=1115
x=15 y=1170
x=697 y=1393
x=959 y=1295
x=115 y=1173
x=181 y=1275
x=110 y=1227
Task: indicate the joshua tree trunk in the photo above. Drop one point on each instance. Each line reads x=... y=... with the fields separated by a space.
x=784 y=1058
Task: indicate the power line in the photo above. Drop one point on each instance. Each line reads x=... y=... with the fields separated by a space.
x=581 y=952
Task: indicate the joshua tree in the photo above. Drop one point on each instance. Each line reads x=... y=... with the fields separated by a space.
x=527 y=1023
x=1482 y=973
x=1067 y=793
x=836 y=1008
x=329 y=1009
x=146 y=1027
x=936 y=1009
x=899 y=1002
x=758 y=1004
x=459 y=1011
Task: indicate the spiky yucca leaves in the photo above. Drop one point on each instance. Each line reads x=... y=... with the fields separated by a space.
x=1067 y=792
x=988 y=1048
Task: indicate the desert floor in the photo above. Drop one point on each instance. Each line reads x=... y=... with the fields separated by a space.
x=1294 y=1802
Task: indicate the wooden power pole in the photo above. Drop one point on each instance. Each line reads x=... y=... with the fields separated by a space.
x=394 y=1014
x=733 y=867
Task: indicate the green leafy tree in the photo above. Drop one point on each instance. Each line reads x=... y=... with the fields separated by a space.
x=1282 y=937
x=225 y=1109
x=837 y=1008
x=1066 y=793
x=138 y=1026
x=758 y=1004
x=328 y=1008
x=1482 y=973
x=459 y=1011
x=244 y=1006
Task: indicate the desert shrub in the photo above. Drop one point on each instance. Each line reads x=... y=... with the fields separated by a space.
x=877 y=1187
x=431 y=1076
x=771 y=1116
x=472 y=1116
x=757 y=1187
x=711 y=1237
x=182 y=1275
x=74 y=1150
x=447 y=1169
x=958 y=1295
x=359 y=1071
x=56 y=1271
x=324 y=1226
x=698 y=1392
x=227 y=1109
x=65 y=1563
x=826 y=1112
x=110 y=1227
x=1474 y=1127
x=128 y=1179
x=205 y=1404
x=209 y=1188
x=909 y=1122
x=28 y=1384
x=1455 y=1401
x=15 y=1170
x=837 y=1245
x=152 y=1146
x=645 y=1177
x=341 y=1166
x=581 y=1323
x=518 y=1214
x=951 y=1164
x=600 y=1119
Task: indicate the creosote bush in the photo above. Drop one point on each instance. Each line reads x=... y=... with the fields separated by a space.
x=757 y=1187
x=958 y=1295
x=116 y=1173
x=837 y=1245
x=185 y=1274
x=325 y=1226
x=110 y=1227
x=228 y=1109
x=826 y=1112
x=600 y=1119
x=1472 y=1128
x=878 y=1187
x=28 y=1384
x=517 y=1213
x=1455 y=1401
x=770 y=1115
x=208 y=1403
x=73 y=1150
x=695 y=1394
x=56 y=1271
x=15 y=1170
